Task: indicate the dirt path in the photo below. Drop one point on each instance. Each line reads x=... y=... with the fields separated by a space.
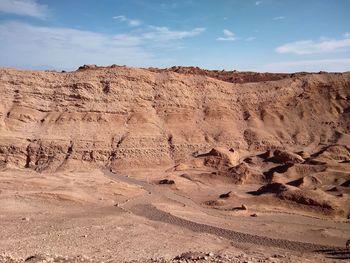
x=156 y=192
x=143 y=207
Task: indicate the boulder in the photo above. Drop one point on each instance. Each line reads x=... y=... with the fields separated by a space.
x=166 y=181
x=87 y=66
x=225 y=195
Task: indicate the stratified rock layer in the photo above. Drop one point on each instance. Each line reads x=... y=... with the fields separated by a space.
x=127 y=118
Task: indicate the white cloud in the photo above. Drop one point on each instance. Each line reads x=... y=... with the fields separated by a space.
x=312 y=47
x=228 y=36
x=165 y=34
x=333 y=65
x=134 y=22
x=24 y=45
x=130 y=22
x=228 y=33
x=279 y=18
x=258 y=2
x=24 y=8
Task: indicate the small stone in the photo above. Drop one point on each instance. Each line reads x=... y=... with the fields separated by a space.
x=244 y=207
x=225 y=195
x=25 y=218
x=254 y=215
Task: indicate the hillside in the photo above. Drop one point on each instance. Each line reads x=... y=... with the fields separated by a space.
x=127 y=117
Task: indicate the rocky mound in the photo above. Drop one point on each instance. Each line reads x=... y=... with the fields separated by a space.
x=275 y=188
x=279 y=156
x=306 y=182
x=244 y=174
x=338 y=153
x=228 y=76
x=220 y=158
x=314 y=199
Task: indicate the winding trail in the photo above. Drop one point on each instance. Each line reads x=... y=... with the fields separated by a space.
x=142 y=206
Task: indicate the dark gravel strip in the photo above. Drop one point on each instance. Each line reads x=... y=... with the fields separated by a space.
x=152 y=213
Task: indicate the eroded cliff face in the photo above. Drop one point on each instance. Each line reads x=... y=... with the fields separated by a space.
x=129 y=118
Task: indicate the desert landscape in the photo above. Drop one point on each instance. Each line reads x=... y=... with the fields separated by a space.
x=122 y=164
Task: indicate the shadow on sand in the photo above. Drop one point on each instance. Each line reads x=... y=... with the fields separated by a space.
x=342 y=254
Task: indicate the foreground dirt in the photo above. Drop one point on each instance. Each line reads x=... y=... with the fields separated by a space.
x=199 y=257
x=128 y=219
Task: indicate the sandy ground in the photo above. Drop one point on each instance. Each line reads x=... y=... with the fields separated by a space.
x=116 y=218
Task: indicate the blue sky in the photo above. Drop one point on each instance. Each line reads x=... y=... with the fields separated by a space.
x=264 y=35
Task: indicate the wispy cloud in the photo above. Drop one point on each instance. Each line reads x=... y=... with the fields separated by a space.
x=279 y=18
x=228 y=36
x=258 y=3
x=127 y=40
x=335 y=65
x=130 y=22
x=304 y=47
x=165 y=34
x=24 y=8
x=158 y=33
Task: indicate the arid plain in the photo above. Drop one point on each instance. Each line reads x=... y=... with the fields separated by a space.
x=118 y=164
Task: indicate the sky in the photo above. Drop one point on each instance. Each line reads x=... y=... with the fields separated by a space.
x=264 y=35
